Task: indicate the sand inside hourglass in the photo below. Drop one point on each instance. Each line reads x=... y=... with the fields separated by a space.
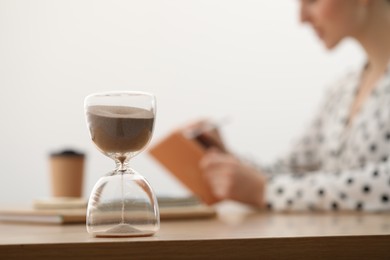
x=119 y=131
x=123 y=229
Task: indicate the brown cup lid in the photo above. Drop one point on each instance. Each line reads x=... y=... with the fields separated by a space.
x=67 y=152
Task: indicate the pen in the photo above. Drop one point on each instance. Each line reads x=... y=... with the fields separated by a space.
x=204 y=140
x=208 y=126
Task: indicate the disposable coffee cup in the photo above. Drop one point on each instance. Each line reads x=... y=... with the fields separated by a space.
x=67 y=173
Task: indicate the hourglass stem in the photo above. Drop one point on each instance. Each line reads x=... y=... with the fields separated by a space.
x=123 y=200
x=121 y=167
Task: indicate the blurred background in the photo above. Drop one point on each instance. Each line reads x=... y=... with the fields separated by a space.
x=248 y=60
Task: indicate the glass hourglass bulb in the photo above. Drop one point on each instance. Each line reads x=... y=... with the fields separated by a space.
x=122 y=202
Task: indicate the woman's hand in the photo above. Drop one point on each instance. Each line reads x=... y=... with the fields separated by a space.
x=229 y=178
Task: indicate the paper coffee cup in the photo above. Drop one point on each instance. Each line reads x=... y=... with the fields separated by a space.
x=67 y=173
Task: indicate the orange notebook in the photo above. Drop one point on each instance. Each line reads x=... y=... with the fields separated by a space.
x=180 y=155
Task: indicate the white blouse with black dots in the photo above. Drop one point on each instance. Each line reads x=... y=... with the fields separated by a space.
x=335 y=165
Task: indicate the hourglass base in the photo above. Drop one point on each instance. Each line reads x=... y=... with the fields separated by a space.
x=122 y=204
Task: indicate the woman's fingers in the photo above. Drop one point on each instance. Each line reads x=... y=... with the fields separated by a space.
x=218 y=171
x=214 y=157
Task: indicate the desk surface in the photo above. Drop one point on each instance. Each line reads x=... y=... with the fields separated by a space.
x=233 y=234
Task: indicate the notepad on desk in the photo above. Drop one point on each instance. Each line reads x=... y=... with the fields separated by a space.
x=170 y=208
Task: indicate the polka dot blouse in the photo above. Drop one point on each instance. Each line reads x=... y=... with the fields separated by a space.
x=336 y=165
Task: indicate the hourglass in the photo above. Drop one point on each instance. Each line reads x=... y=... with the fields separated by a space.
x=122 y=202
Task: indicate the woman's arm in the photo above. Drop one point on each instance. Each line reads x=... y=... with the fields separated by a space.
x=365 y=189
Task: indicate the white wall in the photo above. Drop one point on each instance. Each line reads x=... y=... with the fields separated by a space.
x=249 y=60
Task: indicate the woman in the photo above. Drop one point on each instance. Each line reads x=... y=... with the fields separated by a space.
x=343 y=161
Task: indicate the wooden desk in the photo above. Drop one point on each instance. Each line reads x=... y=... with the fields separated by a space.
x=233 y=234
